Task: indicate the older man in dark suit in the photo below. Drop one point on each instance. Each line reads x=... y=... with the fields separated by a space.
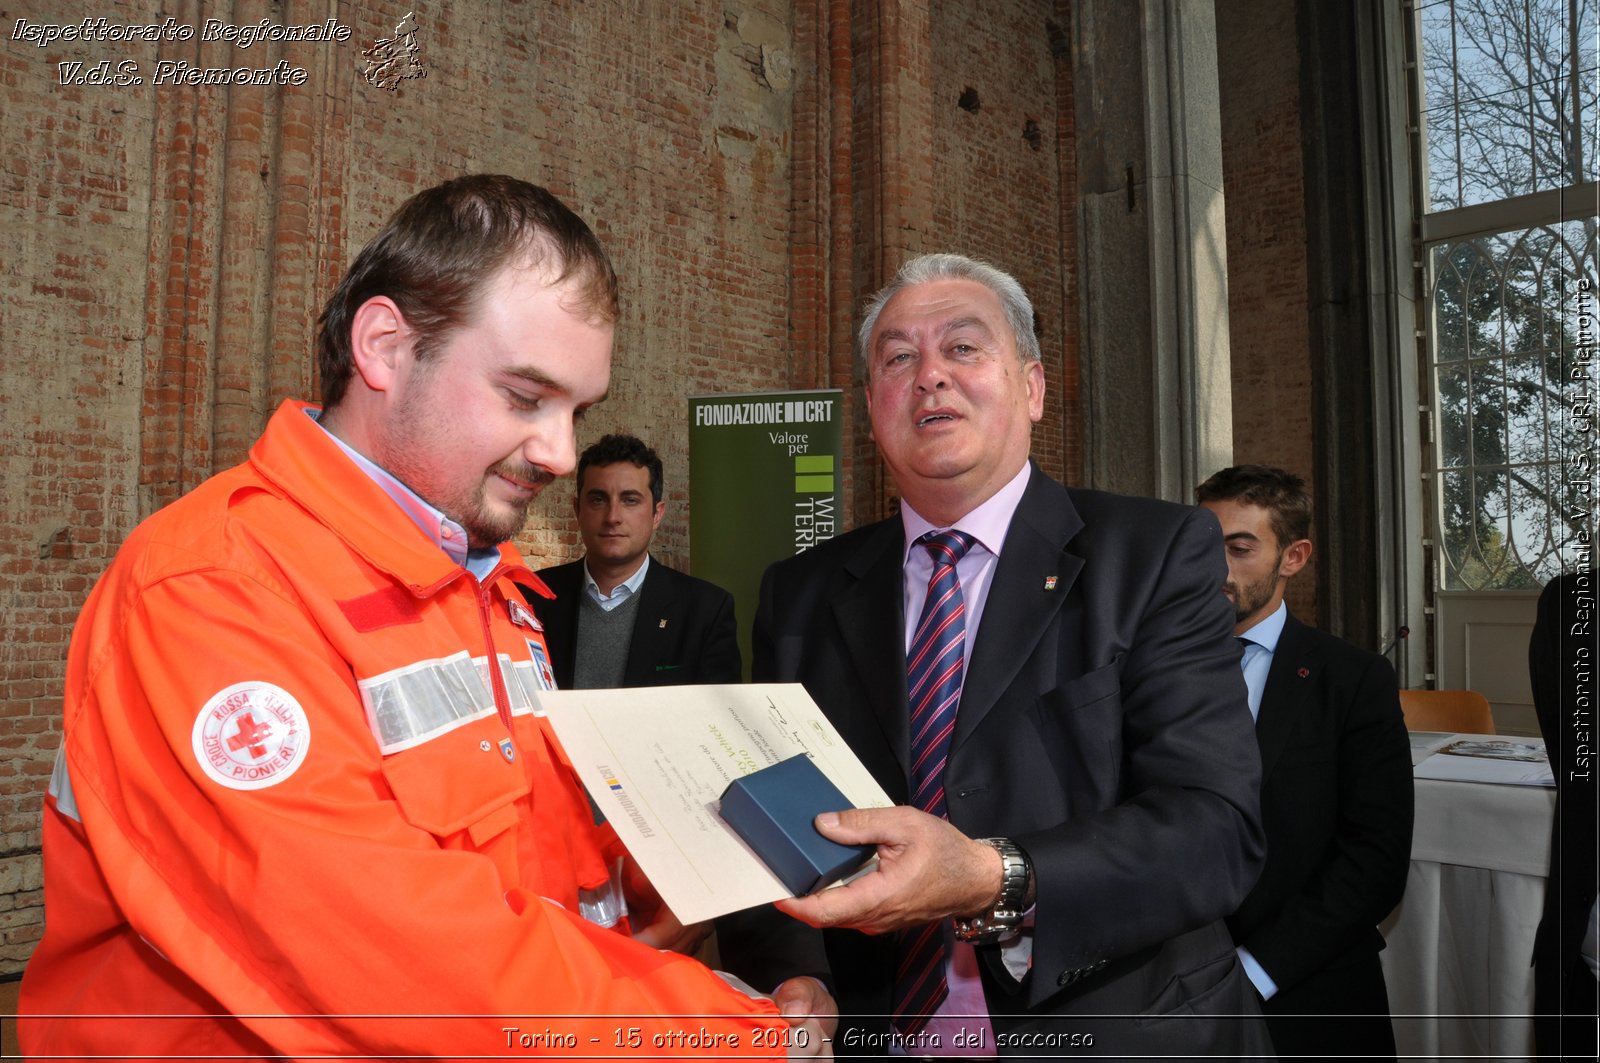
x=1044 y=679
x=1335 y=792
x=620 y=618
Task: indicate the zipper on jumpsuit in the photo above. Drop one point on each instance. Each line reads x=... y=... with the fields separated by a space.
x=603 y=904
x=497 y=681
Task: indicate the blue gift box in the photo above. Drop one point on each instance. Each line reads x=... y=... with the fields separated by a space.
x=772 y=810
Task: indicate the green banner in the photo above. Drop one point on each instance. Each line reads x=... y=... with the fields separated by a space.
x=763 y=484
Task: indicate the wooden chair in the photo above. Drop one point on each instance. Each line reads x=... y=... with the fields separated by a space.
x=1458 y=711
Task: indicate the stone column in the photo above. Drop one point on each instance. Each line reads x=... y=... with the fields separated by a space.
x=1154 y=327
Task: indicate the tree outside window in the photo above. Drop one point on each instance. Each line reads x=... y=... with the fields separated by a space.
x=1508 y=120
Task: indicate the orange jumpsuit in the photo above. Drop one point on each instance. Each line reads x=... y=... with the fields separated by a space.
x=305 y=805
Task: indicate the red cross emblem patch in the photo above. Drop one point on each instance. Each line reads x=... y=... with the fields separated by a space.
x=251 y=735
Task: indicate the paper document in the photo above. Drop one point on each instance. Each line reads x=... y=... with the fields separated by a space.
x=1425 y=744
x=1488 y=758
x=656 y=760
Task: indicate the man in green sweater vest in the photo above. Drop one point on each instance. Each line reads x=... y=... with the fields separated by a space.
x=621 y=618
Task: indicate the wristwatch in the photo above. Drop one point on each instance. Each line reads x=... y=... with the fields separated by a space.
x=1006 y=916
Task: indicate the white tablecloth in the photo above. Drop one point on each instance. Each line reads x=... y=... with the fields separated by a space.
x=1460 y=943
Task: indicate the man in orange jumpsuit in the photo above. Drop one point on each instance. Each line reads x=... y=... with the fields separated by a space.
x=305 y=804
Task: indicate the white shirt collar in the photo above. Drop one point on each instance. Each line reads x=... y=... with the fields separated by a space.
x=1266 y=632
x=621 y=591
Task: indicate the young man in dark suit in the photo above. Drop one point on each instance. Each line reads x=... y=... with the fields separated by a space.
x=1048 y=686
x=620 y=618
x=1335 y=792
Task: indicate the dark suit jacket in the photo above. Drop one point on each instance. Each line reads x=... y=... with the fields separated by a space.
x=1562 y=658
x=684 y=632
x=1102 y=726
x=1336 y=802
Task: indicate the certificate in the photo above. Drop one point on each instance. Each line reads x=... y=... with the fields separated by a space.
x=656 y=760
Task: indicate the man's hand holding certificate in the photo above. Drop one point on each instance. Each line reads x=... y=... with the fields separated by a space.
x=657 y=760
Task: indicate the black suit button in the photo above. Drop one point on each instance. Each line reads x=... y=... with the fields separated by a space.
x=1078 y=974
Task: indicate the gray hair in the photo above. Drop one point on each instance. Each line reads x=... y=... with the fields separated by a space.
x=925 y=268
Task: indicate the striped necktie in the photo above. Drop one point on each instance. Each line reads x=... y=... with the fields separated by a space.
x=934 y=670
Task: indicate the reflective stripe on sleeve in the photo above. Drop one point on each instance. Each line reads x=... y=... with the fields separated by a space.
x=60 y=787
x=425 y=699
x=605 y=905
x=522 y=685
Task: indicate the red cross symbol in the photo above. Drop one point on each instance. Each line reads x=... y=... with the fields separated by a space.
x=250 y=734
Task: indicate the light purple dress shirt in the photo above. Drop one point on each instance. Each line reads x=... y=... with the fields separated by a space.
x=961 y=1025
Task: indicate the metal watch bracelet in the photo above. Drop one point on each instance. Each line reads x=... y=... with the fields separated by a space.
x=1006 y=915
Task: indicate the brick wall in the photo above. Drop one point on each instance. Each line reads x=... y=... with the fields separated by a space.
x=73 y=242
x=1263 y=175
x=959 y=146
x=997 y=139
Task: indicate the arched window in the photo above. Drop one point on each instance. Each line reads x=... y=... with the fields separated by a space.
x=1505 y=130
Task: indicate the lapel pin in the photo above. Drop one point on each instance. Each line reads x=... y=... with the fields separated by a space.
x=1050 y=583
x=663 y=621
x=1303 y=672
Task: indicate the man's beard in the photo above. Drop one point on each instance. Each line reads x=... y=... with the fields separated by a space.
x=417 y=427
x=486 y=523
x=490 y=526
x=1252 y=596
